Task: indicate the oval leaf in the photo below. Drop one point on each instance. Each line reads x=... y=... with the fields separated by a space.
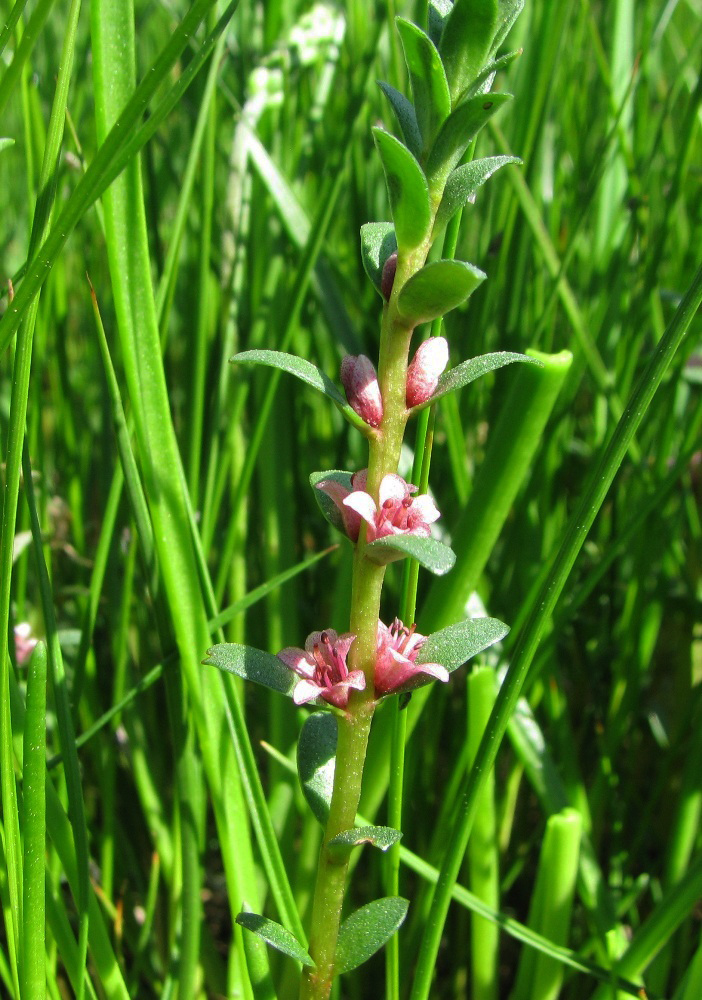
x=469 y=371
x=307 y=372
x=466 y=41
x=437 y=12
x=437 y=288
x=377 y=244
x=316 y=761
x=454 y=645
x=463 y=183
x=407 y=189
x=253 y=665
x=330 y=511
x=406 y=118
x=290 y=363
x=459 y=130
x=429 y=552
x=275 y=935
x=367 y=930
x=382 y=837
x=432 y=100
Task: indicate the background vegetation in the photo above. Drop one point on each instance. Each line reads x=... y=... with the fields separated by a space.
x=255 y=184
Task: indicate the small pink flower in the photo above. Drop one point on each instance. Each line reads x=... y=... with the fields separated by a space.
x=322 y=667
x=397 y=513
x=359 y=379
x=423 y=373
x=24 y=642
x=338 y=493
x=395 y=666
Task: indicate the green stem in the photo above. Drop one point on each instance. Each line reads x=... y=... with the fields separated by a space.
x=353 y=730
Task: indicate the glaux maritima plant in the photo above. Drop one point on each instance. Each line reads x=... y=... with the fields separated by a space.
x=430 y=178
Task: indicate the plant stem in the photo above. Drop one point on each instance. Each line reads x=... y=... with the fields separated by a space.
x=354 y=726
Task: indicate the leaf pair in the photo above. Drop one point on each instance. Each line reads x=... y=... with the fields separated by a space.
x=451 y=647
x=361 y=935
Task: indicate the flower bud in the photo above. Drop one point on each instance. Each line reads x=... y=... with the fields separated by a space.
x=423 y=373
x=360 y=382
x=387 y=279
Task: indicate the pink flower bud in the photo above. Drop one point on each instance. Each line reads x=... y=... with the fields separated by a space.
x=387 y=279
x=423 y=373
x=360 y=381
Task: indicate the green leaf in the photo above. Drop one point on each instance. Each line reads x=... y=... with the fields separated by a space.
x=316 y=761
x=406 y=117
x=453 y=646
x=377 y=244
x=469 y=371
x=429 y=552
x=437 y=12
x=509 y=11
x=484 y=80
x=463 y=183
x=253 y=665
x=299 y=367
x=407 y=189
x=466 y=42
x=330 y=511
x=432 y=100
x=382 y=837
x=367 y=930
x=459 y=130
x=437 y=288
x=6 y=143
x=275 y=935
x=307 y=372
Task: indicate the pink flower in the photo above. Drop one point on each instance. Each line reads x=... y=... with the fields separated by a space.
x=423 y=373
x=360 y=382
x=24 y=642
x=397 y=512
x=338 y=493
x=322 y=667
x=395 y=666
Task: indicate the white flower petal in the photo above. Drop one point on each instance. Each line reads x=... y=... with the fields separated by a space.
x=363 y=504
x=305 y=691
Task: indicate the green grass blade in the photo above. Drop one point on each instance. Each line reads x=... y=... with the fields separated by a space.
x=34 y=827
x=13 y=459
x=578 y=527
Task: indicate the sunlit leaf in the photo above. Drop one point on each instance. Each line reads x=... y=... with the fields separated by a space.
x=469 y=371
x=382 y=837
x=367 y=930
x=466 y=41
x=275 y=935
x=455 y=645
x=407 y=190
x=253 y=665
x=459 y=130
x=429 y=552
x=463 y=183
x=437 y=288
x=432 y=100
